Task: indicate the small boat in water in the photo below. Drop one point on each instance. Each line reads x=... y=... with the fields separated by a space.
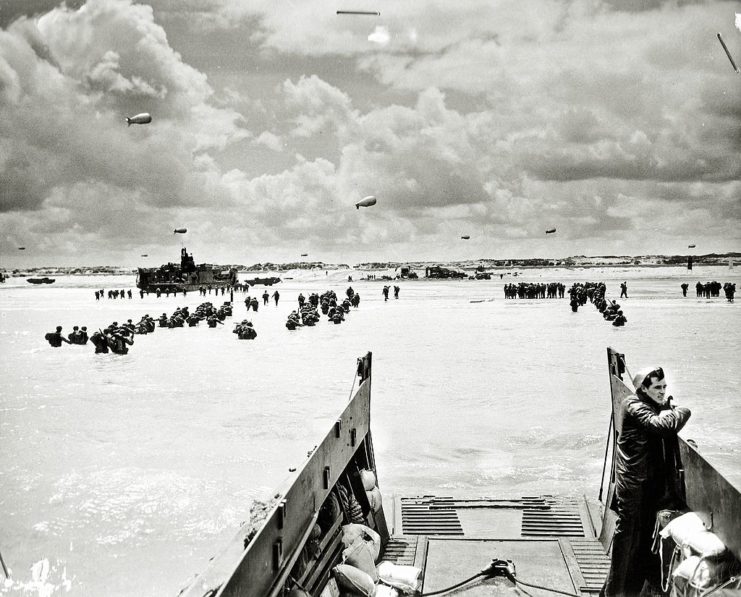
x=429 y=543
x=40 y=280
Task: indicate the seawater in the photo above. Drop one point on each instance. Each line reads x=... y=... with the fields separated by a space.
x=123 y=475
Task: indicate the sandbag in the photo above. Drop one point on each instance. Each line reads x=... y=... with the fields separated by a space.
x=404 y=578
x=682 y=527
x=368 y=478
x=705 y=544
x=696 y=571
x=352 y=581
x=351 y=532
x=374 y=499
x=386 y=591
x=359 y=555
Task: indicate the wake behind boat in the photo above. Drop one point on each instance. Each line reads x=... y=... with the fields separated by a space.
x=317 y=535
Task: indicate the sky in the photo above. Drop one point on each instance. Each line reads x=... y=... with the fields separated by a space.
x=617 y=122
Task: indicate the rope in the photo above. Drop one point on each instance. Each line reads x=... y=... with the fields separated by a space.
x=666 y=582
x=720 y=586
x=354 y=377
x=460 y=584
x=533 y=586
x=604 y=462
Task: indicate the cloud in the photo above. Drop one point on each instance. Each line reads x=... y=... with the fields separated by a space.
x=495 y=119
x=270 y=141
x=380 y=36
x=66 y=83
x=319 y=105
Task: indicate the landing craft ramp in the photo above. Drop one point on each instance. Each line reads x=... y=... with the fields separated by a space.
x=554 y=542
x=551 y=540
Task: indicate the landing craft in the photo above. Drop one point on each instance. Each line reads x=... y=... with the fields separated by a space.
x=366 y=202
x=21 y=248
x=145 y=255
x=691 y=246
x=180 y=231
x=143 y=118
x=550 y=231
x=304 y=254
x=465 y=237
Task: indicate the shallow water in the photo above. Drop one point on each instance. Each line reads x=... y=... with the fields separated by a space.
x=127 y=473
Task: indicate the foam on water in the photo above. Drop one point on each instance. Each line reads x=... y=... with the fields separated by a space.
x=128 y=473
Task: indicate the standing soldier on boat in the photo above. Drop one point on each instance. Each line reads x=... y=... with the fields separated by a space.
x=647 y=481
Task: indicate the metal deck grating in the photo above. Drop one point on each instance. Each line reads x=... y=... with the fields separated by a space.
x=401 y=550
x=425 y=516
x=554 y=518
x=594 y=564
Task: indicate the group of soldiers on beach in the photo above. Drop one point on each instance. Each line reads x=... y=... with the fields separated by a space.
x=117 y=338
x=252 y=302
x=76 y=336
x=167 y=291
x=204 y=312
x=385 y=292
x=534 y=291
x=595 y=293
x=712 y=290
x=307 y=313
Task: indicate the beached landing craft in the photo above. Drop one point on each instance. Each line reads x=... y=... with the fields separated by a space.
x=186 y=275
x=431 y=543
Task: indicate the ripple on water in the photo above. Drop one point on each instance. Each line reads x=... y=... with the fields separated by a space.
x=501 y=397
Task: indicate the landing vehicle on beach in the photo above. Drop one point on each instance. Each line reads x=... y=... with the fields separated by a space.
x=40 y=280
x=269 y=281
x=432 y=543
x=437 y=271
x=174 y=277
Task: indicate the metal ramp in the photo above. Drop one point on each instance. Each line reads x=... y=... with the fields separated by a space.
x=557 y=518
x=592 y=562
x=546 y=536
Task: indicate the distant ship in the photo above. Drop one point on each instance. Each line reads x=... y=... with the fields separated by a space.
x=186 y=275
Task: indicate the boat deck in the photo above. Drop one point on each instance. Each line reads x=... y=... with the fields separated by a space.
x=552 y=542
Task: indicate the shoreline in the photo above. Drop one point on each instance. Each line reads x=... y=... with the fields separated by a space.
x=468 y=266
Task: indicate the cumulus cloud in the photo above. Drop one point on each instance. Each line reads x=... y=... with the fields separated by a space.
x=318 y=104
x=503 y=117
x=67 y=80
x=270 y=140
x=380 y=36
